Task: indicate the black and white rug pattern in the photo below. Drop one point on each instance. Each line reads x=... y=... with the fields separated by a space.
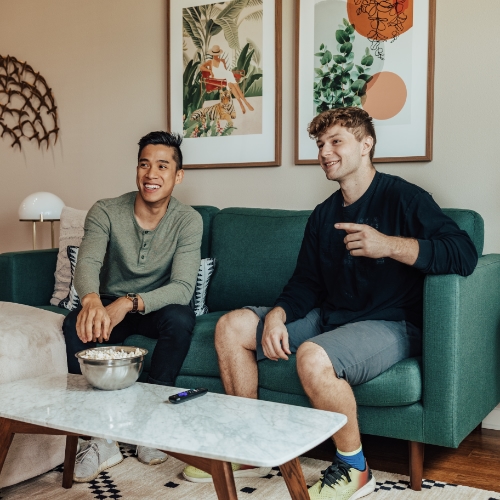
x=131 y=480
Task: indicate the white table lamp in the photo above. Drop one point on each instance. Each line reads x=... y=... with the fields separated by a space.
x=41 y=207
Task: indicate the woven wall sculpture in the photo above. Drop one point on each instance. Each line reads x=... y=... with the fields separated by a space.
x=27 y=106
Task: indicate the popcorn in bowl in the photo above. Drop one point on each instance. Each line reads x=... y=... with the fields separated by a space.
x=111 y=354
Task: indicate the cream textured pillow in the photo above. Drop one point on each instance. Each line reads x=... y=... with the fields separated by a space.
x=70 y=234
x=31 y=345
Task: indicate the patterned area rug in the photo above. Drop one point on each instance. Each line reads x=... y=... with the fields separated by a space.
x=131 y=480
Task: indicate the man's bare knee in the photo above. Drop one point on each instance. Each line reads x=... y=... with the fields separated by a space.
x=237 y=328
x=313 y=363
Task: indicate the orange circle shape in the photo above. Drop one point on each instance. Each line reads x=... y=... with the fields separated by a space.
x=380 y=19
x=386 y=95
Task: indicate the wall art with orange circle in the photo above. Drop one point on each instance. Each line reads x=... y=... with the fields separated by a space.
x=373 y=54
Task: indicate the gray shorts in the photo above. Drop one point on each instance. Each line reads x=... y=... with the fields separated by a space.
x=358 y=351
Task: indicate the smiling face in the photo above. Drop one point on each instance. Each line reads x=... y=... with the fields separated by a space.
x=341 y=155
x=157 y=174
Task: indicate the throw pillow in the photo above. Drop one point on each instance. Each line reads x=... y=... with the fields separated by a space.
x=72 y=301
x=70 y=234
x=204 y=274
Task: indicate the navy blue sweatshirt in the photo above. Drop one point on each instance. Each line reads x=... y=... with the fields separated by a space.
x=349 y=289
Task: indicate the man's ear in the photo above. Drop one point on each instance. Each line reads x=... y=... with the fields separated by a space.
x=179 y=175
x=367 y=145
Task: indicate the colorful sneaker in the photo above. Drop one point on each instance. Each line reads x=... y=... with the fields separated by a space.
x=196 y=475
x=95 y=456
x=343 y=482
x=150 y=456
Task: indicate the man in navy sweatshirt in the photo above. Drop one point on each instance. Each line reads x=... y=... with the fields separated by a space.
x=353 y=307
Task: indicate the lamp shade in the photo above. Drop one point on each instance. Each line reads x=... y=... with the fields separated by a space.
x=37 y=204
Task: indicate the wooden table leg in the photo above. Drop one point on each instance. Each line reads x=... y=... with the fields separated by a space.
x=6 y=437
x=294 y=479
x=222 y=473
x=69 y=461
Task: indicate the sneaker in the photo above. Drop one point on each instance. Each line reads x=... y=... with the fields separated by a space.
x=150 y=456
x=196 y=475
x=343 y=482
x=95 y=456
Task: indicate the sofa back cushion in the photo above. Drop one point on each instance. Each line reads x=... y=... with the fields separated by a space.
x=256 y=252
x=207 y=213
x=471 y=222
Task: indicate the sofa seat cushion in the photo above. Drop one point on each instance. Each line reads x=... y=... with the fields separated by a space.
x=400 y=385
x=201 y=359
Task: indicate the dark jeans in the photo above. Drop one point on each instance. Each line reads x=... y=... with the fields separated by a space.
x=172 y=326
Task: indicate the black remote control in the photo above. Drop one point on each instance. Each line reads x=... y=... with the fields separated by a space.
x=187 y=395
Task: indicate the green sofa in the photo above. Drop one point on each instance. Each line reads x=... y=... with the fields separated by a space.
x=437 y=399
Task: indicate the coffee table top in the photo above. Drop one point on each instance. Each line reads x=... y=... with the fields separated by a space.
x=216 y=426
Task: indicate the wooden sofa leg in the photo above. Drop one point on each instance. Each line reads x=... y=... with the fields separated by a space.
x=416 y=453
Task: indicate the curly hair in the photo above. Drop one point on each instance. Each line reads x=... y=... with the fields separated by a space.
x=356 y=120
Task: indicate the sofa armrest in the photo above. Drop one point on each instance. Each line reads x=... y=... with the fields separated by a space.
x=28 y=277
x=461 y=351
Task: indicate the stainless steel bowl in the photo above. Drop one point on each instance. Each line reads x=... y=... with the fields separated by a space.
x=112 y=374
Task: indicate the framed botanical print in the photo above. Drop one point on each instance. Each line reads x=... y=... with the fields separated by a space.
x=224 y=74
x=375 y=54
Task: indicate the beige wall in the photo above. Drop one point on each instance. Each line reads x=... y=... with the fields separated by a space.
x=105 y=61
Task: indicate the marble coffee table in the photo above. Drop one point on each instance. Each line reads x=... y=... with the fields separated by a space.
x=208 y=432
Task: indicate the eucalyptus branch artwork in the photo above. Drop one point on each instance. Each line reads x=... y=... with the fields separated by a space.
x=339 y=81
x=27 y=105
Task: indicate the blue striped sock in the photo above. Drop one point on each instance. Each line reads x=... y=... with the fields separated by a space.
x=355 y=458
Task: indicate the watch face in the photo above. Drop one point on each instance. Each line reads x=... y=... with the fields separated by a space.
x=132 y=295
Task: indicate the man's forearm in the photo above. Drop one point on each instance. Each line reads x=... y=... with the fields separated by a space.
x=404 y=250
x=277 y=313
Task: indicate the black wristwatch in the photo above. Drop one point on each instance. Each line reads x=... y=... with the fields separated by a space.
x=135 y=301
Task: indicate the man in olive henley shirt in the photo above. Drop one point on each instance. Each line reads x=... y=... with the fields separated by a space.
x=136 y=270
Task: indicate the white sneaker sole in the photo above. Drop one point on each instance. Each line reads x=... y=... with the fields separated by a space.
x=110 y=462
x=259 y=472
x=154 y=461
x=368 y=488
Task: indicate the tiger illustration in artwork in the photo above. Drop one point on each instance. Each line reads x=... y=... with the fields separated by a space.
x=224 y=110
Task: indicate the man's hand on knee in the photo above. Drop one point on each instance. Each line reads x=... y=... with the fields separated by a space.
x=275 y=336
x=93 y=322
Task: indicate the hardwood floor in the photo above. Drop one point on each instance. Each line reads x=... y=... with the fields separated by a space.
x=476 y=462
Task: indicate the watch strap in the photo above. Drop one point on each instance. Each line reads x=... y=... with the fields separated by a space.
x=135 y=302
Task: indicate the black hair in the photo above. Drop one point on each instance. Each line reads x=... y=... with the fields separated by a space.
x=171 y=140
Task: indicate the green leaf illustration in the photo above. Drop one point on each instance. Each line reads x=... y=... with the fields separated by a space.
x=339 y=59
x=367 y=60
x=327 y=57
x=358 y=86
x=346 y=48
x=341 y=36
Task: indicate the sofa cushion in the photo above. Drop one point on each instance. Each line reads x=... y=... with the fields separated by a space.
x=207 y=213
x=201 y=359
x=398 y=386
x=256 y=252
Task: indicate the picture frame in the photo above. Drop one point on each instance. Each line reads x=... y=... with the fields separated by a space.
x=396 y=63
x=224 y=81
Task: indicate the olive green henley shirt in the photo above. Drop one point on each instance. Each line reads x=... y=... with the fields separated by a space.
x=117 y=256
